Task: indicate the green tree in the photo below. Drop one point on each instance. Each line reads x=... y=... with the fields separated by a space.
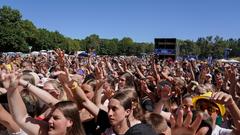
x=12 y=36
x=30 y=32
x=126 y=46
x=92 y=41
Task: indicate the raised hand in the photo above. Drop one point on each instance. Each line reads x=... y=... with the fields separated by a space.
x=63 y=76
x=99 y=84
x=232 y=74
x=185 y=127
x=222 y=98
x=60 y=58
x=165 y=93
x=108 y=93
x=98 y=72
x=227 y=100
x=236 y=128
x=148 y=92
x=144 y=86
x=10 y=81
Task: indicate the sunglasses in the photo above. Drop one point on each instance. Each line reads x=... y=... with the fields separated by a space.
x=206 y=105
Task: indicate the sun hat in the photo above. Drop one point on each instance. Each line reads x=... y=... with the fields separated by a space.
x=207 y=96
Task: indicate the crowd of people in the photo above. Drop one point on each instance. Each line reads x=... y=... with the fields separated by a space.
x=58 y=94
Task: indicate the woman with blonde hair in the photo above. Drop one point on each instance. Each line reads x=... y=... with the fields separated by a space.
x=63 y=119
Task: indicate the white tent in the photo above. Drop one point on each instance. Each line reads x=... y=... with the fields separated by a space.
x=222 y=60
x=228 y=61
x=233 y=61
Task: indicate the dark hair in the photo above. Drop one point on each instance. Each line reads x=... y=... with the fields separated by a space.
x=124 y=100
x=216 y=71
x=89 y=77
x=129 y=80
x=70 y=111
x=129 y=100
x=163 y=83
x=187 y=96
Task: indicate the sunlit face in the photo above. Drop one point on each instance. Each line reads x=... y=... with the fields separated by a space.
x=164 y=92
x=143 y=69
x=218 y=76
x=88 y=90
x=58 y=123
x=187 y=104
x=115 y=74
x=165 y=69
x=116 y=113
x=50 y=89
x=158 y=68
x=121 y=82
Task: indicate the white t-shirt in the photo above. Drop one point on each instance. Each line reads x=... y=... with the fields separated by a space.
x=221 y=131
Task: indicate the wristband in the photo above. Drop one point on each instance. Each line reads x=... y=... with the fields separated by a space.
x=74 y=86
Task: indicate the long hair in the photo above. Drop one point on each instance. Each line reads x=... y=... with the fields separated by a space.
x=71 y=112
x=31 y=101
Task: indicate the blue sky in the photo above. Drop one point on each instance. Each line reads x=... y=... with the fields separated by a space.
x=141 y=20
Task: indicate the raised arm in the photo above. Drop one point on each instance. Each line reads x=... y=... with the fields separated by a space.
x=90 y=66
x=18 y=108
x=165 y=98
x=233 y=82
x=108 y=64
x=82 y=99
x=98 y=92
x=149 y=93
x=227 y=100
x=190 y=67
x=139 y=72
x=155 y=72
x=158 y=108
x=7 y=121
x=40 y=93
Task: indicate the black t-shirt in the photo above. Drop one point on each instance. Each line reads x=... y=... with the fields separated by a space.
x=138 y=129
x=103 y=121
x=90 y=127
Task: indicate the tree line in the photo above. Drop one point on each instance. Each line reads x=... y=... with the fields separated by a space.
x=17 y=34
